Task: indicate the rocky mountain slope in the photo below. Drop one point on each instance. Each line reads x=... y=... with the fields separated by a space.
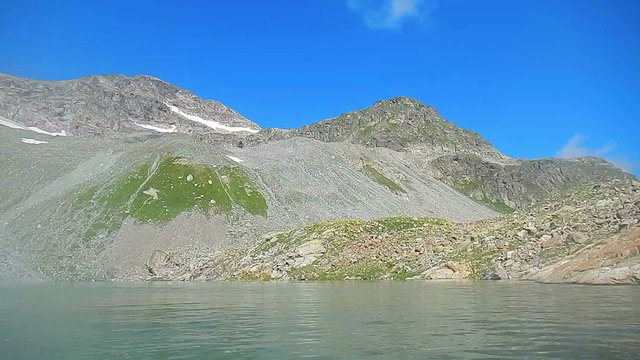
x=458 y=157
x=111 y=105
x=102 y=173
x=588 y=235
x=89 y=208
x=400 y=123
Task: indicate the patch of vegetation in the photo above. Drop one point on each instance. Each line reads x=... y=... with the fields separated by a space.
x=375 y=175
x=336 y=233
x=157 y=193
x=271 y=241
x=241 y=191
x=396 y=224
x=365 y=131
x=468 y=186
x=554 y=253
x=364 y=270
x=389 y=124
x=336 y=226
x=496 y=205
x=479 y=259
x=429 y=129
x=404 y=275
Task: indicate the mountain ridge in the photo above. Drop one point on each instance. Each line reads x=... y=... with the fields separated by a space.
x=151 y=167
x=108 y=105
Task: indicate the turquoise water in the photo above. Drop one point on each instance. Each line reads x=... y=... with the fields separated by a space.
x=330 y=320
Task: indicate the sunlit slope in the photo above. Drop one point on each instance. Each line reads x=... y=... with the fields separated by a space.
x=87 y=208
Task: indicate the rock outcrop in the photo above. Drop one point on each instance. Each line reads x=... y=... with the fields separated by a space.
x=519 y=183
x=613 y=261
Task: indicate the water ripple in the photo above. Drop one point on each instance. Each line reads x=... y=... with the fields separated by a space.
x=346 y=320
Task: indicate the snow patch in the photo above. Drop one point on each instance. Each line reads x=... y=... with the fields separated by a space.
x=211 y=123
x=158 y=129
x=8 y=123
x=238 y=160
x=40 y=131
x=33 y=141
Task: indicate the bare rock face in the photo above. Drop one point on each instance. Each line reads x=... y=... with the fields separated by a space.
x=161 y=265
x=614 y=261
x=112 y=105
x=520 y=182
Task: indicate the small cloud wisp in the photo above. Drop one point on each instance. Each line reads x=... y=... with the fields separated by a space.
x=575 y=149
x=389 y=14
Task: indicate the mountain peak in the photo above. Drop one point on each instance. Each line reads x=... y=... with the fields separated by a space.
x=400 y=100
x=403 y=104
x=399 y=123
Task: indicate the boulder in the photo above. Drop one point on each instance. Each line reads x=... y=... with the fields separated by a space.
x=451 y=270
x=496 y=272
x=308 y=252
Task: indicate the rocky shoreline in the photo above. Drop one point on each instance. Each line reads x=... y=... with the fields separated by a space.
x=588 y=235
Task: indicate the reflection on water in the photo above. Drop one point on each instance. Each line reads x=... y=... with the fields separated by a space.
x=330 y=320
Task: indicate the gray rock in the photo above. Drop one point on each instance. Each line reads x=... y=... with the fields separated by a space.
x=308 y=252
x=496 y=272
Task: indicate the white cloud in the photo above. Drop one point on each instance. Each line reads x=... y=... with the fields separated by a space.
x=625 y=164
x=574 y=149
x=389 y=14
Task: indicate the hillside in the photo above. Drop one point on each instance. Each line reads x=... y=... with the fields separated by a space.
x=103 y=172
x=90 y=208
x=588 y=235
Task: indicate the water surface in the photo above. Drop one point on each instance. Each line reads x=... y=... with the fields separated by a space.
x=326 y=320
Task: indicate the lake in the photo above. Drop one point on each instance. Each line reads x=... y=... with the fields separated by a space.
x=318 y=320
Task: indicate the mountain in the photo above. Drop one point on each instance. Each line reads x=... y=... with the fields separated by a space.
x=113 y=105
x=460 y=158
x=105 y=174
x=400 y=123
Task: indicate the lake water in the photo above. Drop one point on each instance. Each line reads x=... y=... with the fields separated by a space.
x=326 y=320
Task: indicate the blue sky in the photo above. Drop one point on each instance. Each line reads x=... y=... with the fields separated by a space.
x=536 y=78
